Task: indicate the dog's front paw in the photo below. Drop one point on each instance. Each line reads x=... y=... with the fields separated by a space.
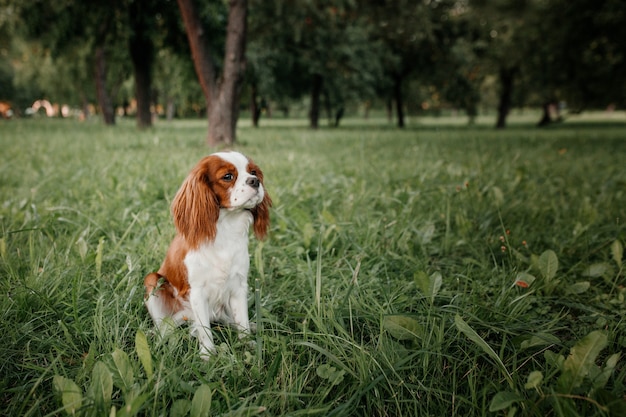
x=207 y=351
x=252 y=327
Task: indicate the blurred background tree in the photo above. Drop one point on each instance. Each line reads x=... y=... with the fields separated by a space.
x=318 y=57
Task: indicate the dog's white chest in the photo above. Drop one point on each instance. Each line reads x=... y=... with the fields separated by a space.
x=219 y=268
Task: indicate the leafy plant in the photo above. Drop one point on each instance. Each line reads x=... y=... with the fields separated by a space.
x=580 y=380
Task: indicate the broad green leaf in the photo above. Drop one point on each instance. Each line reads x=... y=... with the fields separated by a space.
x=498 y=195
x=524 y=279
x=471 y=334
x=132 y=407
x=180 y=408
x=422 y=281
x=428 y=285
x=328 y=217
x=82 y=247
x=3 y=248
x=426 y=233
x=403 y=327
x=201 y=402
x=617 y=250
x=123 y=371
x=596 y=270
x=143 y=352
x=332 y=374
x=435 y=285
x=602 y=378
x=101 y=388
x=548 y=264
x=579 y=287
x=554 y=359
x=534 y=380
x=71 y=396
x=540 y=339
x=308 y=232
x=503 y=400
x=580 y=360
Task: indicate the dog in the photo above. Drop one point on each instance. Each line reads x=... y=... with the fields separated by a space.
x=204 y=277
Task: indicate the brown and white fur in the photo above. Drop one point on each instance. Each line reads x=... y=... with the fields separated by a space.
x=204 y=277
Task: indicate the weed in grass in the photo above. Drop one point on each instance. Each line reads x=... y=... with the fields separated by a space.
x=430 y=271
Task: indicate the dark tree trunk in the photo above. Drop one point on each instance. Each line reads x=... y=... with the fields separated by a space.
x=545 y=117
x=339 y=115
x=507 y=76
x=198 y=41
x=548 y=109
x=398 y=98
x=104 y=100
x=316 y=91
x=142 y=55
x=221 y=96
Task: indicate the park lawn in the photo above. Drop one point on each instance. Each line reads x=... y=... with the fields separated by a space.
x=437 y=270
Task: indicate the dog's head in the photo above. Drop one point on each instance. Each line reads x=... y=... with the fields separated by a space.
x=221 y=181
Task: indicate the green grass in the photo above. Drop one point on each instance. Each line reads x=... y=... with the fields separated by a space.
x=386 y=287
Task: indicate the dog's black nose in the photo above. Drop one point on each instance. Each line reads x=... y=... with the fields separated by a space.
x=253 y=182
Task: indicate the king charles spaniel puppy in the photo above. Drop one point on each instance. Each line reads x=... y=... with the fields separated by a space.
x=204 y=277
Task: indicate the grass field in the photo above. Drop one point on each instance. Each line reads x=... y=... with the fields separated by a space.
x=436 y=271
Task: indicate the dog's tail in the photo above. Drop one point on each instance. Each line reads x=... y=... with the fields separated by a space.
x=161 y=297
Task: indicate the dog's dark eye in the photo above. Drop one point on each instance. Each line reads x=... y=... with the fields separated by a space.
x=228 y=177
x=253 y=172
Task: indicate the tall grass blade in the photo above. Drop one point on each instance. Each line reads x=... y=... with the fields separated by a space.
x=318 y=277
x=617 y=250
x=99 y=251
x=471 y=334
x=258 y=262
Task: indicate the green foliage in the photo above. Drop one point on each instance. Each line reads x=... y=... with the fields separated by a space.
x=433 y=271
x=471 y=334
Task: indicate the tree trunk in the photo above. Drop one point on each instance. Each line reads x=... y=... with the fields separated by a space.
x=104 y=100
x=328 y=106
x=397 y=93
x=339 y=115
x=222 y=97
x=142 y=56
x=507 y=76
x=545 y=118
x=170 y=109
x=316 y=91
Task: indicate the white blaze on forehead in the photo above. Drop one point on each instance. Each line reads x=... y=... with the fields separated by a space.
x=238 y=160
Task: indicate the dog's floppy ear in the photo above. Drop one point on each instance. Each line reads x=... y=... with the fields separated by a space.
x=195 y=209
x=261 y=213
